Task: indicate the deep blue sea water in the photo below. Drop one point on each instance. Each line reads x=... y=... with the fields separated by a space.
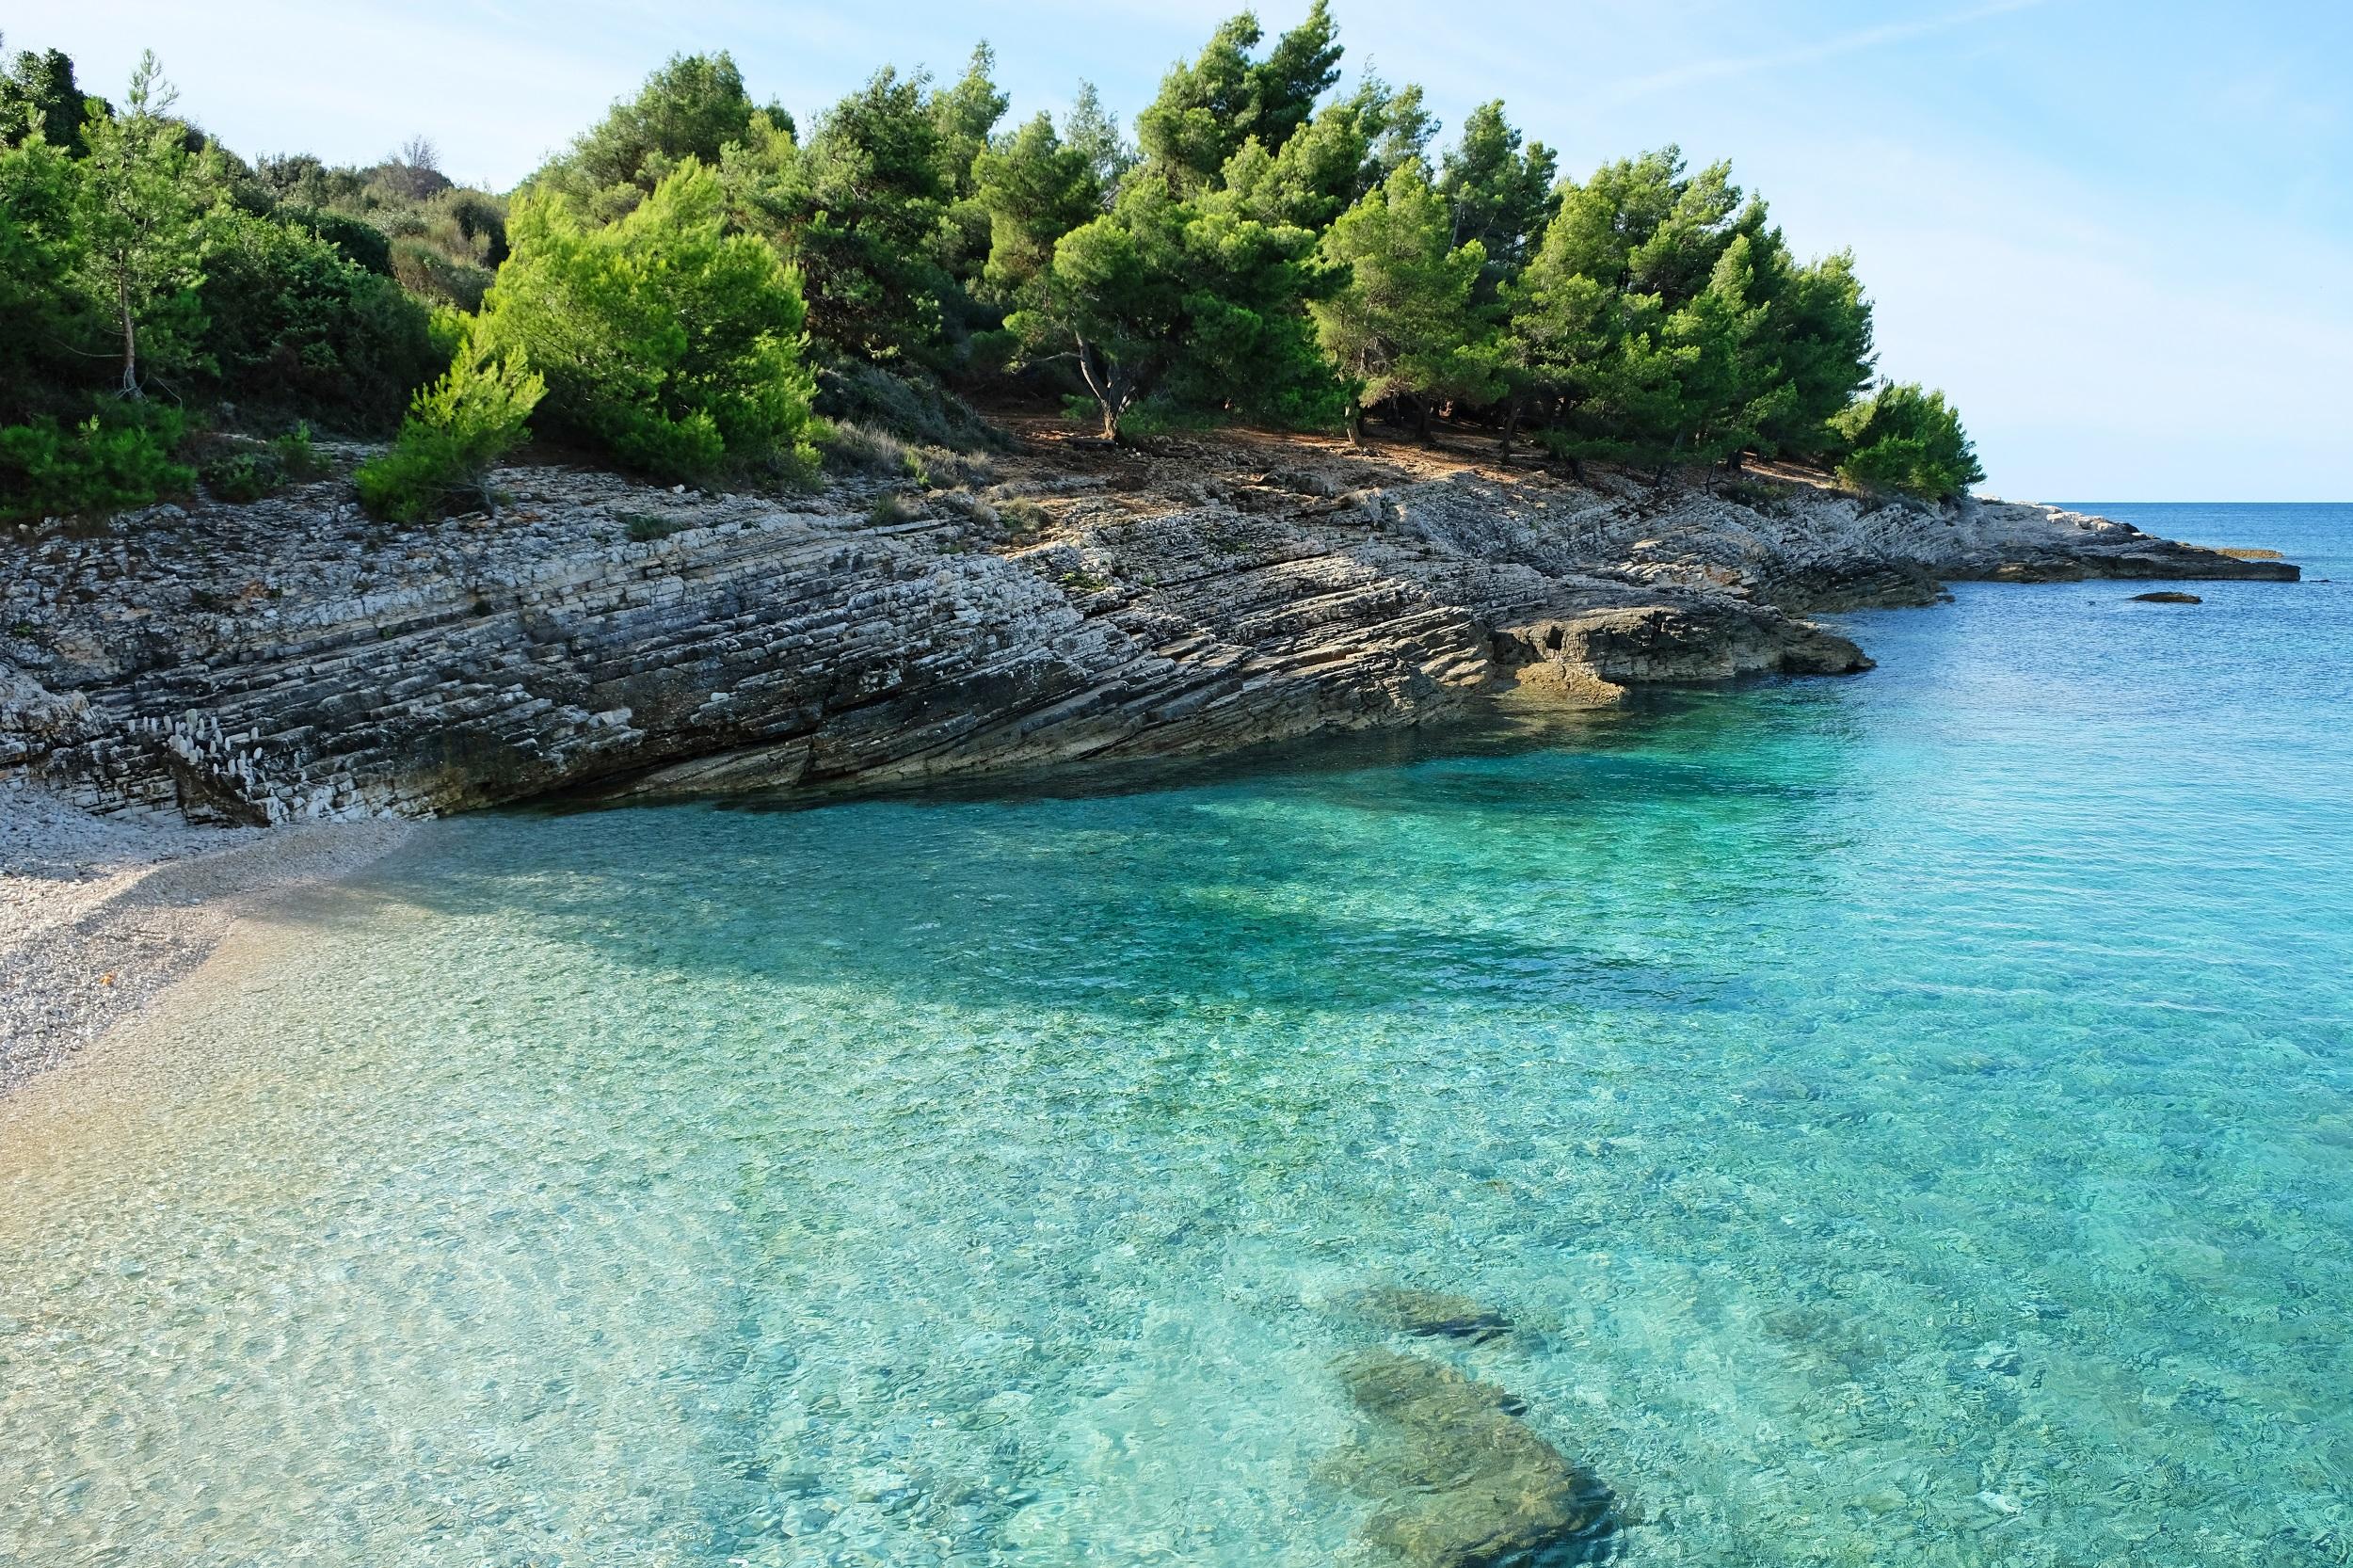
x=1906 y=1119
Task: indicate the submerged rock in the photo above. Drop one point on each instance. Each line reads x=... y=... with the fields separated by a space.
x=2167 y=596
x=1429 y=1313
x=1462 y=1481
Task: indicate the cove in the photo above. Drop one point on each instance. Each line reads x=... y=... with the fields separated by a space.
x=1897 y=1119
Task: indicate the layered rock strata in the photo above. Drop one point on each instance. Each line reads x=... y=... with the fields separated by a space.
x=291 y=660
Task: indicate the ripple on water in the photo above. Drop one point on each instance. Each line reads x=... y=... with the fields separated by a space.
x=1842 y=1123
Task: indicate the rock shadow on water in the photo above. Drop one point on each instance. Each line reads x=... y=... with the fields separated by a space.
x=1427 y=1314
x=1459 y=1479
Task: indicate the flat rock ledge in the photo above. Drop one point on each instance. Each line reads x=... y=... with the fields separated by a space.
x=290 y=659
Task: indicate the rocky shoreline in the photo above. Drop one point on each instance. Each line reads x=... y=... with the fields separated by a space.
x=178 y=682
x=289 y=661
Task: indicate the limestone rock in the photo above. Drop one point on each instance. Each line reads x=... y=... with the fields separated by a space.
x=290 y=659
x=1460 y=1480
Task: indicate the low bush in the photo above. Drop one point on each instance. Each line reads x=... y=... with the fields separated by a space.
x=911 y=407
x=889 y=508
x=360 y=242
x=296 y=455
x=666 y=340
x=456 y=429
x=936 y=468
x=859 y=448
x=1021 y=519
x=242 y=476
x=121 y=455
x=425 y=272
x=645 y=527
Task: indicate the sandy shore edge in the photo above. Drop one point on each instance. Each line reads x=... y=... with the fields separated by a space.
x=100 y=916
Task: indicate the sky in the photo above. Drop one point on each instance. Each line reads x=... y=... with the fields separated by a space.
x=2117 y=233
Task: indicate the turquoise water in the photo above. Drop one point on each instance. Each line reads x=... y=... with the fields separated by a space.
x=1905 y=1119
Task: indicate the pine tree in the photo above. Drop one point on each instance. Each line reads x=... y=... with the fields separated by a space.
x=1196 y=302
x=1501 y=193
x=1035 y=188
x=1093 y=134
x=1208 y=108
x=1406 y=325
x=147 y=209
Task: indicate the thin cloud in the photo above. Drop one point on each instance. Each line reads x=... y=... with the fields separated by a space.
x=1805 y=54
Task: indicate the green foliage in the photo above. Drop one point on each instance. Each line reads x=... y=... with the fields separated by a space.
x=292 y=321
x=1661 y=321
x=242 y=476
x=866 y=206
x=1021 y=519
x=296 y=454
x=240 y=469
x=147 y=210
x=1035 y=189
x=908 y=405
x=456 y=429
x=693 y=107
x=1501 y=193
x=50 y=331
x=119 y=456
x=1406 y=325
x=362 y=243
x=664 y=340
x=1266 y=232
x=401 y=218
x=1207 y=109
x=39 y=97
x=1092 y=132
x=645 y=528
x=1191 y=300
x=887 y=510
x=1909 y=442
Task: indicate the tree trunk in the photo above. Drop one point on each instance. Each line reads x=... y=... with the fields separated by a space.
x=130 y=335
x=1422 y=409
x=1511 y=423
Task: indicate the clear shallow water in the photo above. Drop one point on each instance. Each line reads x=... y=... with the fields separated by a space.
x=1906 y=1119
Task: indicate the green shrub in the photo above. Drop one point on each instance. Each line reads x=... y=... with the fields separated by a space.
x=1904 y=440
x=912 y=407
x=425 y=272
x=456 y=429
x=244 y=475
x=294 y=322
x=360 y=242
x=296 y=454
x=862 y=448
x=665 y=340
x=645 y=527
x=121 y=455
x=1021 y=519
x=889 y=508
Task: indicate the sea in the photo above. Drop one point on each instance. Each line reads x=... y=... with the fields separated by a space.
x=1897 y=1119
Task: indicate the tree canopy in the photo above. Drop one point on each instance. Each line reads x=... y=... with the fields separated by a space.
x=1269 y=245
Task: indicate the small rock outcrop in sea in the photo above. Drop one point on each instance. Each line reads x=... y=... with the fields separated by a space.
x=1459 y=1479
x=2167 y=597
x=290 y=658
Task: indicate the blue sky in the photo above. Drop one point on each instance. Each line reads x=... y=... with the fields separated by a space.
x=2120 y=234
